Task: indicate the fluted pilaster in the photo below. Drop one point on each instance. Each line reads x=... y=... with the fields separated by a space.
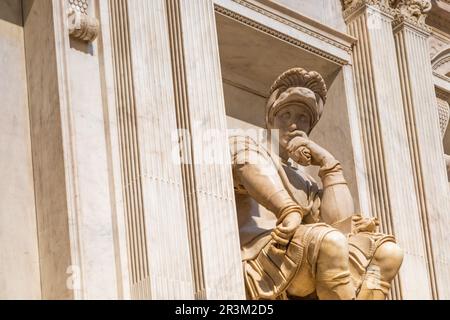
x=389 y=170
x=157 y=218
x=424 y=137
x=211 y=173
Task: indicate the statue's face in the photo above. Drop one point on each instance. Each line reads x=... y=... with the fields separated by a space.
x=292 y=118
x=294 y=114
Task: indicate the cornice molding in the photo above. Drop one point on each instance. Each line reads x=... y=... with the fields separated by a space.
x=261 y=8
x=442 y=94
x=441 y=76
x=263 y=28
x=441 y=62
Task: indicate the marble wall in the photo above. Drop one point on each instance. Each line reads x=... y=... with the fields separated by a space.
x=19 y=261
x=327 y=12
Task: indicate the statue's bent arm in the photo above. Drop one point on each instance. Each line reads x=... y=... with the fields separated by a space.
x=262 y=182
x=337 y=202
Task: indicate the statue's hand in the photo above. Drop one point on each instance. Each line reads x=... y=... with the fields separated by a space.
x=305 y=151
x=284 y=232
x=362 y=224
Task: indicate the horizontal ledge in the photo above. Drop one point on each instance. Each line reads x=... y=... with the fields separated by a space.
x=290 y=29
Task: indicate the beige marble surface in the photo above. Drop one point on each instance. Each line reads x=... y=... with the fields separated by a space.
x=327 y=12
x=214 y=185
x=47 y=147
x=392 y=192
x=334 y=133
x=165 y=215
x=19 y=262
x=94 y=219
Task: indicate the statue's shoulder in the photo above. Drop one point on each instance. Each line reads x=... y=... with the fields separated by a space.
x=242 y=142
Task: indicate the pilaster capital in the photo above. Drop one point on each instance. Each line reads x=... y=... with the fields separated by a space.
x=413 y=12
x=350 y=7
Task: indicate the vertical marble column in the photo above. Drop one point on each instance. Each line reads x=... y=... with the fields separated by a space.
x=158 y=231
x=215 y=214
x=19 y=257
x=424 y=138
x=358 y=143
x=386 y=153
x=77 y=251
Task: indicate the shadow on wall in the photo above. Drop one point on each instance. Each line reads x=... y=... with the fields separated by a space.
x=8 y=12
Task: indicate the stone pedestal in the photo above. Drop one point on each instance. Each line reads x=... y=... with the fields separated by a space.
x=389 y=173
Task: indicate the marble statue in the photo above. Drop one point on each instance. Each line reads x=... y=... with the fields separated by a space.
x=299 y=241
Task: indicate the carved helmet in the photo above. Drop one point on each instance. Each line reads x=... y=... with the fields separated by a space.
x=313 y=94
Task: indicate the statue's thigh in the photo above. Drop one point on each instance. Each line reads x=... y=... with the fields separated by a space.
x=303 y=283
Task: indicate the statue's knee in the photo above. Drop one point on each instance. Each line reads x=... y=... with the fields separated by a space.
x=388 y=257
x=335 y=246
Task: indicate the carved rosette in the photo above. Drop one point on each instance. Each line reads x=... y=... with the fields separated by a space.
x=82 y=26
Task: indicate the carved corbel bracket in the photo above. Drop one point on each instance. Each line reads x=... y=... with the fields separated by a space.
x=82 y=26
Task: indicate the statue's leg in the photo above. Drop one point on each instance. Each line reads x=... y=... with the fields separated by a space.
x=381 y=271
x=328 y=259
x=333 y=279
